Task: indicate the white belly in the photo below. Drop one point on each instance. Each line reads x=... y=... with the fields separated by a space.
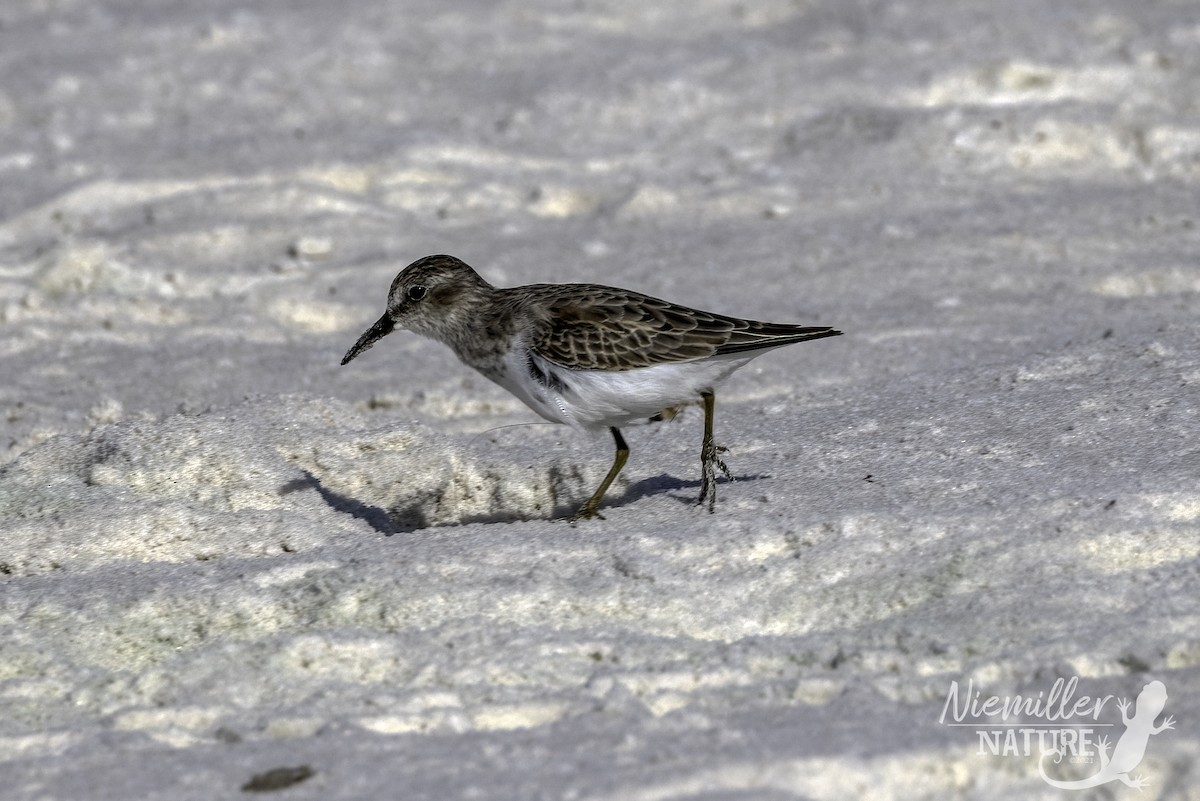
x=596 y=398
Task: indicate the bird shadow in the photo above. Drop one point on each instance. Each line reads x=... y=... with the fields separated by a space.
x=373 y=516
x=670 y=485
x=405 y=519
x=413 y=517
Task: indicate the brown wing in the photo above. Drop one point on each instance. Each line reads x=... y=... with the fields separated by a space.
x=590 y=327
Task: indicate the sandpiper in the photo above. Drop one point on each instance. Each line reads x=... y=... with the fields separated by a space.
x=586 y=355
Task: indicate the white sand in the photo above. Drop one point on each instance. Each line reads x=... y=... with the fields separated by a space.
x=221 y=553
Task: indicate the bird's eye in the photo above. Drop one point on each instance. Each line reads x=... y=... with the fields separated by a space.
x=416 y=292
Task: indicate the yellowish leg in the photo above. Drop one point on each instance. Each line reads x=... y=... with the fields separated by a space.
x=709 y=457
x=590 y=508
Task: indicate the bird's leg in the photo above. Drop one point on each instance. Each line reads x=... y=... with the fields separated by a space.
x=589 y=509
x=709 y=457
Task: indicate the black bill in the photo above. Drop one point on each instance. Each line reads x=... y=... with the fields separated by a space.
x=382 y=328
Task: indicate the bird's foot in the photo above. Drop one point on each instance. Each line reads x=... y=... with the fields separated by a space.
x=710 y=459
x=588 y=511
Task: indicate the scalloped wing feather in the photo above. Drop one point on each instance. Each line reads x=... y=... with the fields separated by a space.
x=587 y=327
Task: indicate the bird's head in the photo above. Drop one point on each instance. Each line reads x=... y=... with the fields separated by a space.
x=432 y=296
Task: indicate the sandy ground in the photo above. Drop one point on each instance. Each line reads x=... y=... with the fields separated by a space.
x=223 y=554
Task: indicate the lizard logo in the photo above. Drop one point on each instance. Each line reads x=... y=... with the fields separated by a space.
x=1130 y=748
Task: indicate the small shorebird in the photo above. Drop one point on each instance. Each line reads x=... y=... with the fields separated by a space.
x=586 y=355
